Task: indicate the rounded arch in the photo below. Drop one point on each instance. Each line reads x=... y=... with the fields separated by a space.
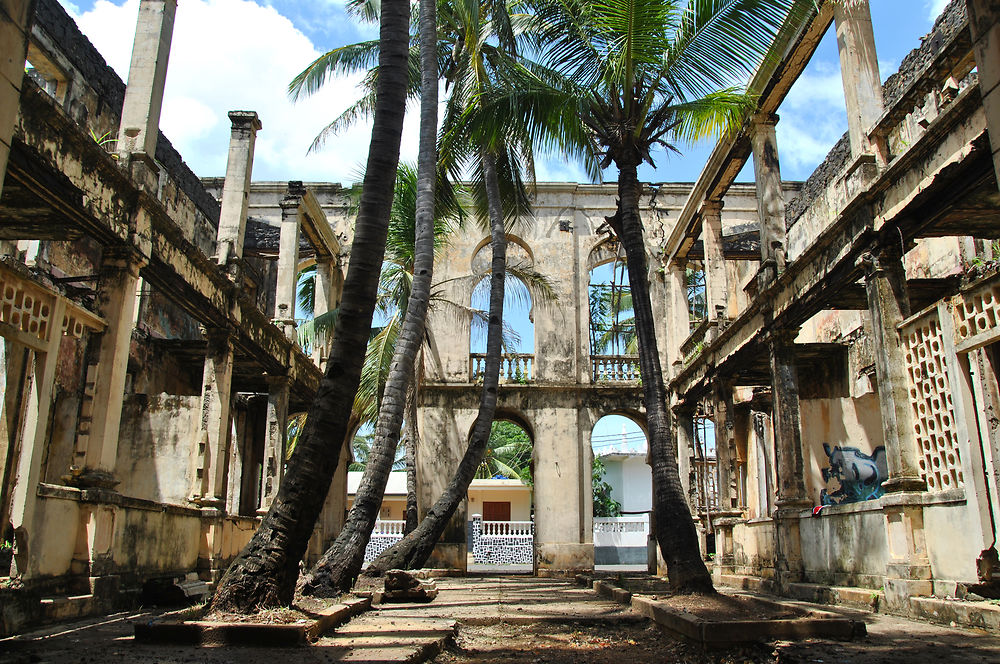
x=518 y=251
x=509 y=415
x=605 y=251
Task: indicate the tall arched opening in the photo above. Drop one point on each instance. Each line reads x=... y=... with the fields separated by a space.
x=622 y=493
x=500 y=500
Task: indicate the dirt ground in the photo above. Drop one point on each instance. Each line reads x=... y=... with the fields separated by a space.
x=511 y=619
x=569 y=643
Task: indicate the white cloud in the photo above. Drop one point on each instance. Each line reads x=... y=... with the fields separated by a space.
x=238 y=54
x=935 y=7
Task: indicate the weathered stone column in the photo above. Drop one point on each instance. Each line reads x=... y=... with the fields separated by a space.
x=725 y=445
x=678 y=318
x=96 y=449
x=147 y=76
x=323 y=302
x=788 y=452
x=859 y=71
x=276 y=438
x=716 y=286
x=288 y=267
x=34 y=445
x=15 y=27
x=908 y=571
x=984 y=21
x=214 y=428
x=770 y=198
x=889 y=304
x=236 y=190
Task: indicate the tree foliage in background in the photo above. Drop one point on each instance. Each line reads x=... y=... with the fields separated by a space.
x=604 y=504
x=508 y=453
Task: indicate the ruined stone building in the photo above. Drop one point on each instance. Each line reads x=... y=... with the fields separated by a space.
x=846 y=355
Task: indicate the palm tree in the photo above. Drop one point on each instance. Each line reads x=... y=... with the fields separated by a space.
x=361 y=448
x=508 y=453
x=266 y=570
x=500 y=106
x=341 y=562
x=653 y=71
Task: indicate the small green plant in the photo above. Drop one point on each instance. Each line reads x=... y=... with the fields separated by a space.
x=108 y=140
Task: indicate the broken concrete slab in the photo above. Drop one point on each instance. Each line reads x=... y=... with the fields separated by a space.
x=178 y=628
x=721 y=633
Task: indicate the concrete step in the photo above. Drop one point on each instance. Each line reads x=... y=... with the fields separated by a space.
x=385 y=639
x=752 y=583
x=66 y=607
x=866 y=599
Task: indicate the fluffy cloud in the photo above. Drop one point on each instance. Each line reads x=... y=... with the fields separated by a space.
x=935 y=7
x=238 y=54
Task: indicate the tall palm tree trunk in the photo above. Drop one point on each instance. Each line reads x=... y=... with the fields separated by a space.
x=414 y=549
x=675 y=531
x=410 y=439
x=266 y=570
x=340 y=564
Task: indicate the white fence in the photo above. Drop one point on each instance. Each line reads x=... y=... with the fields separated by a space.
x=384 y=535
x=502 y=542
x=621 y=540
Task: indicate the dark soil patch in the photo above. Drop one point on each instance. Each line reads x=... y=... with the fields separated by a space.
x=303 y=610
x=728 y=608
x=572 y=643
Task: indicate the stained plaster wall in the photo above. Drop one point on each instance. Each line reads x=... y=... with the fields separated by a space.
x=155 y=464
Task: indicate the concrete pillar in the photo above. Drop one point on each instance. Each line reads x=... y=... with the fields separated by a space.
x=96 y=449
x=725 y=446
x=788 y=453
x=678 y=318
x=716 y=286
x=888 y=303
x=147 y=76
x=214 y=429
x=288 y=267
x=787 y=428
x=984 y=21
x=562 y=497
x=15 y=27
x=34 y=436
x=276 y=437
x=770 y=198
x=323 y=302
x=859 y=71
x=236 y=189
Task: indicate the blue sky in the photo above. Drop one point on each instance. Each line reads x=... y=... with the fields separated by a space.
x=230 y=54
x=241 y=54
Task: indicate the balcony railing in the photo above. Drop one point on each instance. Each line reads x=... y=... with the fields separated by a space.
x=514 y=367
x=614 y=368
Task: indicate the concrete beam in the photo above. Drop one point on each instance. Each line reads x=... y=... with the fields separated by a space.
x=984 y=21
x=147 y=76
x=236 y=190
x=15 y=28
x=770 y=197
x=859 y=71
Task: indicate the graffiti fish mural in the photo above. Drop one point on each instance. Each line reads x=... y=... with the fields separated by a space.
x=859 y=474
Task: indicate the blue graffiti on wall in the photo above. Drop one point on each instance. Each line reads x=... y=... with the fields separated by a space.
x=859 y=474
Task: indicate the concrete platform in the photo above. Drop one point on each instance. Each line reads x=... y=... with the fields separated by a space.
x=176 y=629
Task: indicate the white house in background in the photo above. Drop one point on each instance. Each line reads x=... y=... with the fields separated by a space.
x=496 y=500
x=631 y=480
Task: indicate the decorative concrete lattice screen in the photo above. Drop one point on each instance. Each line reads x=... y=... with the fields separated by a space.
x=977 y=315
x=28 y=308
x=930 y=397
x=502 y=542
x=384 y=535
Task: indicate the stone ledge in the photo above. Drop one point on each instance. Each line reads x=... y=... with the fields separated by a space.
x=726 y=634
x=211 y=633
x=981 y=615
x=859 y=598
